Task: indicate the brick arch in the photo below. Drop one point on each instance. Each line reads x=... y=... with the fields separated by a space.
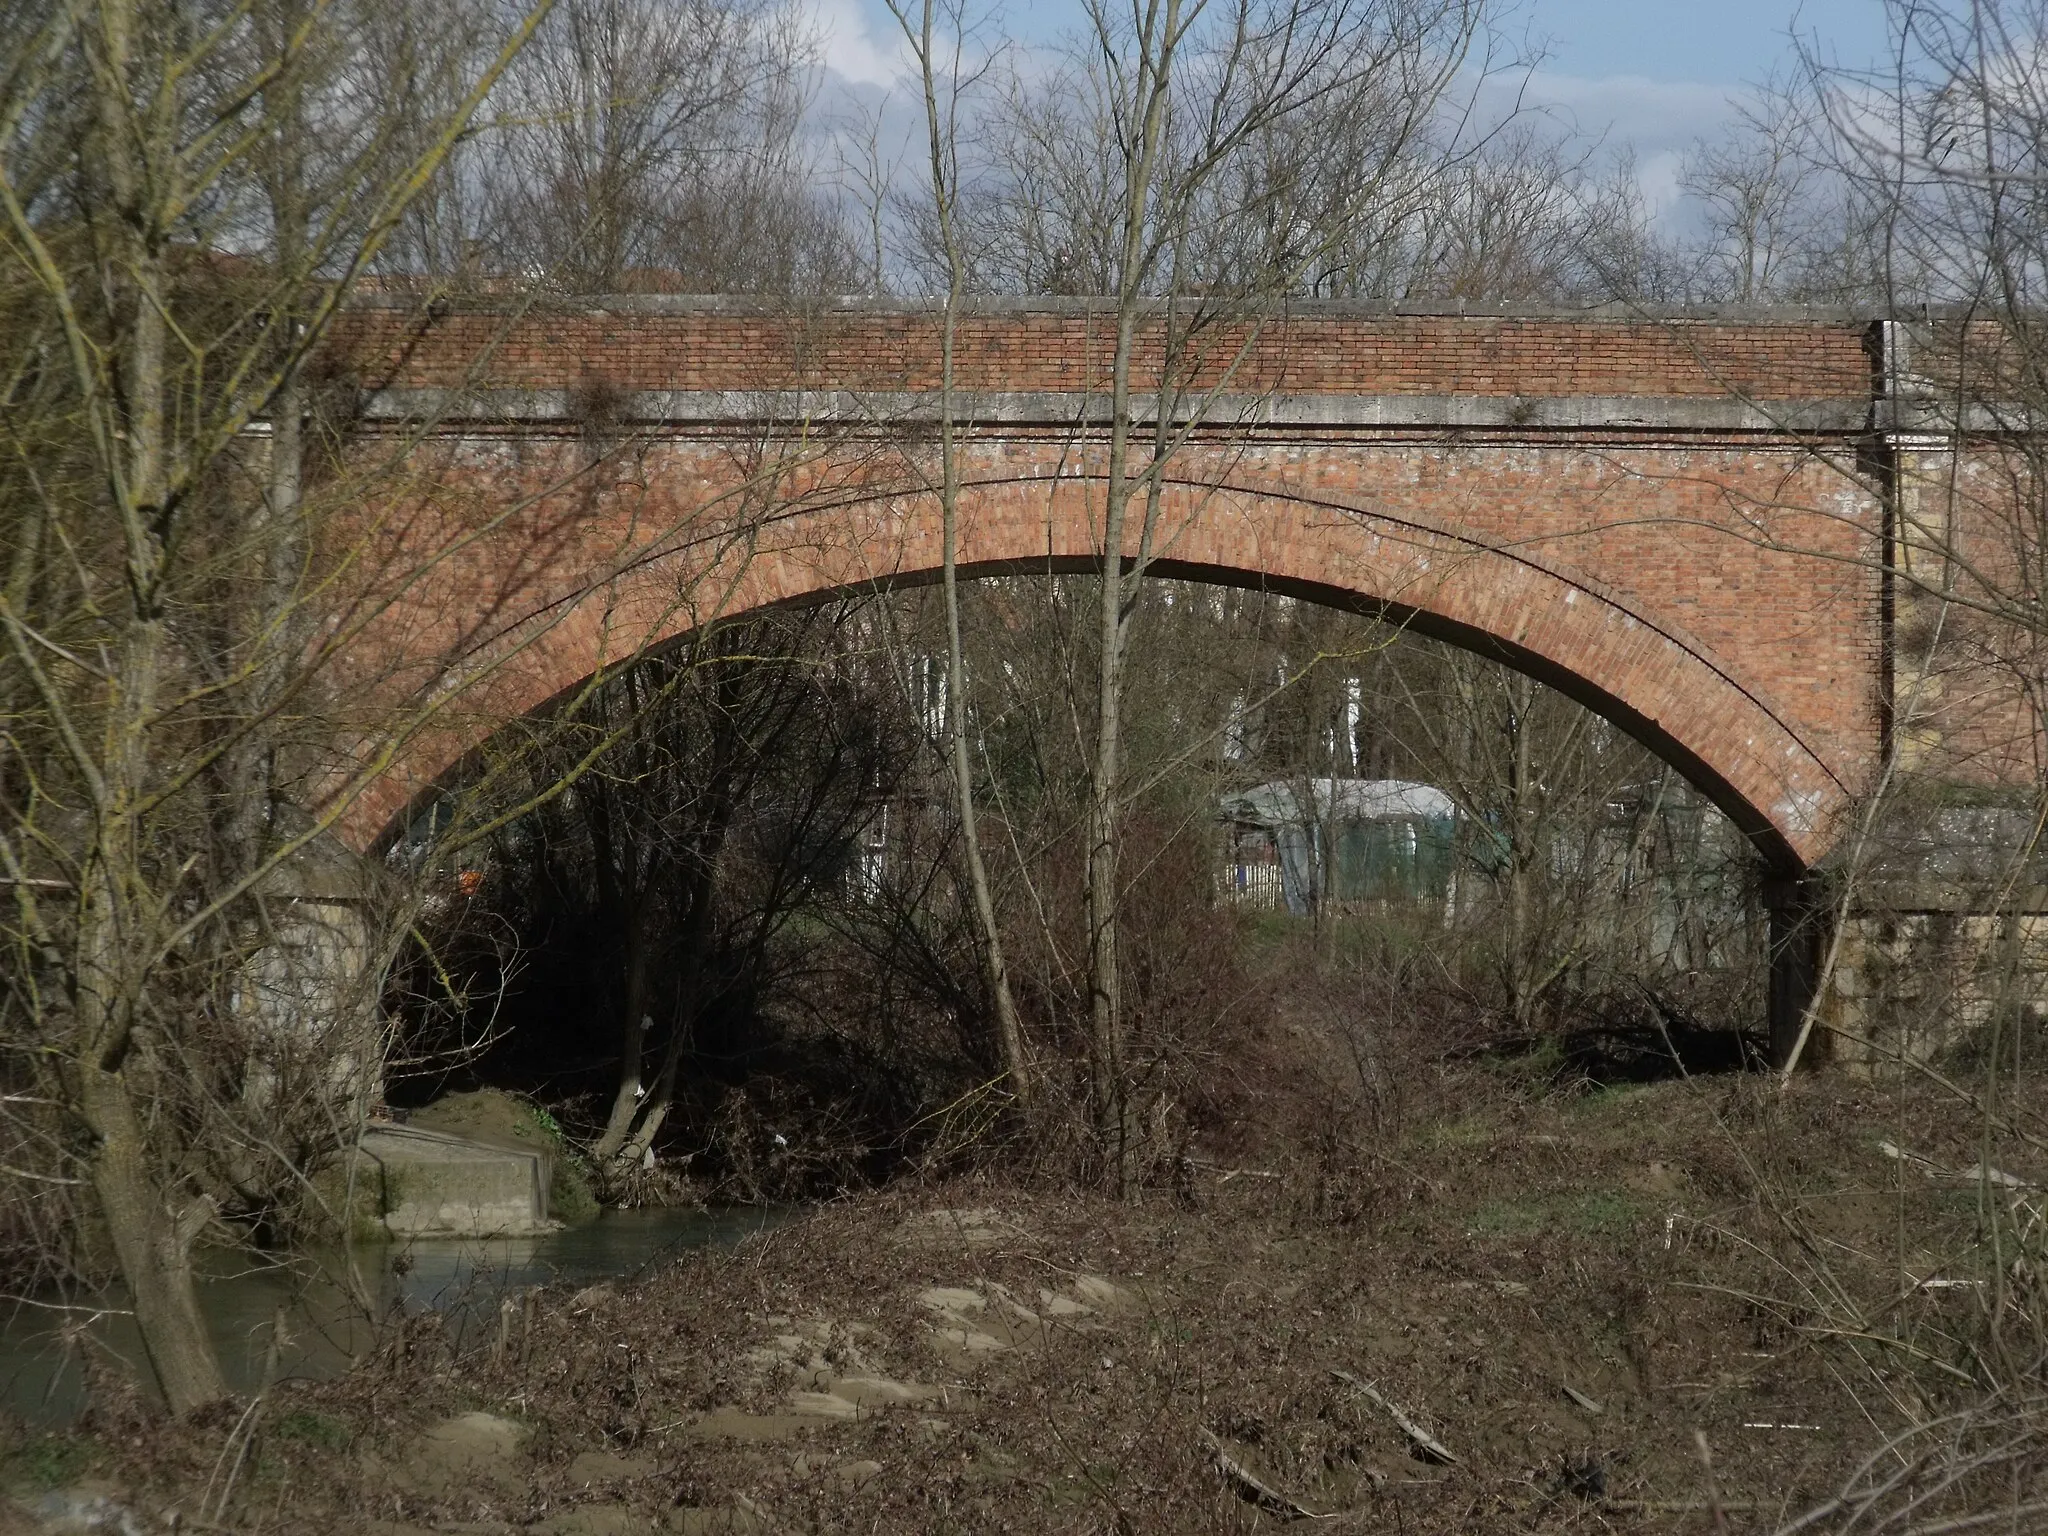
x=1783 y=782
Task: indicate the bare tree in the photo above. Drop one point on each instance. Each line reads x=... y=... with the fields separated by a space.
x=186 y=196
x=732 y=776
x=942 y=80
x=1179 y=163
x=1756 y=184
x=655 y=144
x=1527 y=220
x=1778 y=221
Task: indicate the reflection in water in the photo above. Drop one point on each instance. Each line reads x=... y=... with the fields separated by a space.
x=312 y=1320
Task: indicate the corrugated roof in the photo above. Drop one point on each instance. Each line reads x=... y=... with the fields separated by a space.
x=1280 y=802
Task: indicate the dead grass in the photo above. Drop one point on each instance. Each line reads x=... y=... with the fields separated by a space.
x=1492 y=1251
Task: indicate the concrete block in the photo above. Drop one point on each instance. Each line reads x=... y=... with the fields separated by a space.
x=434 y=1185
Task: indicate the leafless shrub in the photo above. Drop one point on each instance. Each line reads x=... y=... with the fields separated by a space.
x=1984 y=1468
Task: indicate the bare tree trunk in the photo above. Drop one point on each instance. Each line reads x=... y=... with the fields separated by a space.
x=694 y=946
x=1016 y=1058
x=153 y=1242
x=1158 y=38
x=633 y=1033
x=1522 y=851
x=249 y=767
x=1105 y=993
x=1009 y=1031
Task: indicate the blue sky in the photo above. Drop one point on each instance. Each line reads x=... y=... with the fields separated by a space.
x=1651 y=75
x=1695 y=42
x=1706 y=42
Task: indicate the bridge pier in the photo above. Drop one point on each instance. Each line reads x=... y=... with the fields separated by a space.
x=307 y=994
x=1797 y=948
x=1934 y=946
x=1922 y=978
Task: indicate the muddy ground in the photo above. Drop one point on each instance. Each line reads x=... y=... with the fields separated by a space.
x=1519 y=1302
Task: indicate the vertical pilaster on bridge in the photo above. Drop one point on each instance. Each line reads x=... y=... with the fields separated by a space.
x=310 y=984
x=1797 y=943
x=1909 y=458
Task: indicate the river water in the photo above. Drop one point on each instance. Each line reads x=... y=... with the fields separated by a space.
x=331 y=1305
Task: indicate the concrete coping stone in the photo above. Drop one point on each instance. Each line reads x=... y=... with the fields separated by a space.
x=932 y=306
x=1074 y=408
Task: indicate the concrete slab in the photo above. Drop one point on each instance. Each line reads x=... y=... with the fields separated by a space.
x=430 y=1184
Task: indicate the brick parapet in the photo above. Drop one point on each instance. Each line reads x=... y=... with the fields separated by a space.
x=1804 y=357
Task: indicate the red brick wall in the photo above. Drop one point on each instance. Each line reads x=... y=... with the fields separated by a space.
x=1720 y=599
x=1321 y=352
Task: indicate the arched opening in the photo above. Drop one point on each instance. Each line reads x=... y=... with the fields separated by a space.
x=884 y=853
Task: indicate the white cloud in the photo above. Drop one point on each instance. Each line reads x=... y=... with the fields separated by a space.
x=872 y=73
x=1653 y=116
x=858 y=42
x=1657 y=175
x=1658 y=120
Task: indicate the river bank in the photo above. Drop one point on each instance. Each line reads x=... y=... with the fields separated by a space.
x=1526 y=1308
x=311 y=1316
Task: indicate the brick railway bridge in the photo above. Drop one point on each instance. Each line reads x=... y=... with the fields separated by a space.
x=1682 y=521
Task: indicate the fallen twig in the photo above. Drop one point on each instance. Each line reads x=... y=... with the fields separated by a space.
x=1425 y=1442
x=238 y=1439
x=1580 y=1398
x=1229 y=1173
x=1982 y=1173
x=2010 y=1515
x=1714 y=1504
x=1262 y=1491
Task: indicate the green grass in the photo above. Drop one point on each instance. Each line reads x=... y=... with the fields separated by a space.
x=571 y=1199
x=1540 y=1062
x=46 y=1462
x=1608 y=1096
x=547 y=1123
x=1474 y=1130
x=319 y=1430
x=1592 y=1213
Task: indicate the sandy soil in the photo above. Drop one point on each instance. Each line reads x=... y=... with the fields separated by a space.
x=1514 y=1306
